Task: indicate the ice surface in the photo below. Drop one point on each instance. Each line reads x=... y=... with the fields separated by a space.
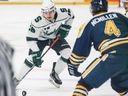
x=14 y=23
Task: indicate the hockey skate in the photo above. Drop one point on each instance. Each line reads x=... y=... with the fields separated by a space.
x=54 y=78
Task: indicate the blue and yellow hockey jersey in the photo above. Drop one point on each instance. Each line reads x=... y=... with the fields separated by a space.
x=106 y=31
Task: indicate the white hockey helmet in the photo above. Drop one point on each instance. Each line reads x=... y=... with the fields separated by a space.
x=48 y=5
x=123 y=1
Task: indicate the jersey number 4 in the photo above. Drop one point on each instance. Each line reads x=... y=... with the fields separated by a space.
x=111 y=28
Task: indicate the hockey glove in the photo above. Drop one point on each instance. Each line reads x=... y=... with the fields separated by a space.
x=63 y=31
x=36 y=57
x=73 y=69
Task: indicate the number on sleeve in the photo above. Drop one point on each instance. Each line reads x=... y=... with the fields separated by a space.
x=66 y=10
x=63 y=10
x=31 y=29
x=38 y=19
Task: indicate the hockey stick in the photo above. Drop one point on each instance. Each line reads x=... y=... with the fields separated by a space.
x=53 y=43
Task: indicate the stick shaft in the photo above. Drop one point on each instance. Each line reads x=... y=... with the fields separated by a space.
x=53 y=43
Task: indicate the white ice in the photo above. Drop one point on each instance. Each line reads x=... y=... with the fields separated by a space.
x=14 y=23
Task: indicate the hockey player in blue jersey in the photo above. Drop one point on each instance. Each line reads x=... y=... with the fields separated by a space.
x=108 y=33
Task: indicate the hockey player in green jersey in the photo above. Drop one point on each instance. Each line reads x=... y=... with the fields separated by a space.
x=43 y=30
x=107 y=32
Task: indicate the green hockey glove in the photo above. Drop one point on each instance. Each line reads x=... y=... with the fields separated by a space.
x=36 y=57
x=63 y=31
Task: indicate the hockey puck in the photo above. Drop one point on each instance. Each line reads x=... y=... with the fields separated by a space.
x=24 y=93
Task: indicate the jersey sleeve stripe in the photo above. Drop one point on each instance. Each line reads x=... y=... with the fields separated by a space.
x=113 y=45
x=103 y=42
x=31 y=39
x=74 y=62
x=77 y=57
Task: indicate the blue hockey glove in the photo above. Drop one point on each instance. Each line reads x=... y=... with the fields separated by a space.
x=63 y=31
x=36 y=57
x=73 y=69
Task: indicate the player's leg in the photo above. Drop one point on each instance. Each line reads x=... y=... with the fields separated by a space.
x=62 y=48
x=28 y=63
x=97 y=73
x=120 y=82
x=54 y=77
x=25 y=69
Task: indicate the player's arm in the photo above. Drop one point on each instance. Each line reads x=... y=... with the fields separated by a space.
x=71 y=17
x=80 y=51
x=66 y=26
x=33 y=33
x=32 y=37
x=124 y=18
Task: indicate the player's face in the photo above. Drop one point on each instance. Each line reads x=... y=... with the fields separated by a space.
x=125 y=6
x=49 y=15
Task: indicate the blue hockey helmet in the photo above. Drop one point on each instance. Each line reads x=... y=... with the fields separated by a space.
x=99 y=6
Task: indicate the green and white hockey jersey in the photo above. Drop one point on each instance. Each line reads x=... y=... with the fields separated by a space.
x=43 y=29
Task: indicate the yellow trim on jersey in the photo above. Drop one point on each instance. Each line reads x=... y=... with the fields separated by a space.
x=94 y=64
x=81 y=87
x=104 y=57
x=114 y=44
x=103 y=42
x=91 y=68
x=81 y=29
x=122 y=94
x=75 y=63
x=77 y=57
x=77 y=94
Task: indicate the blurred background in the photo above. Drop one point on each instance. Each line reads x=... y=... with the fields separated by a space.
x=67 y=2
